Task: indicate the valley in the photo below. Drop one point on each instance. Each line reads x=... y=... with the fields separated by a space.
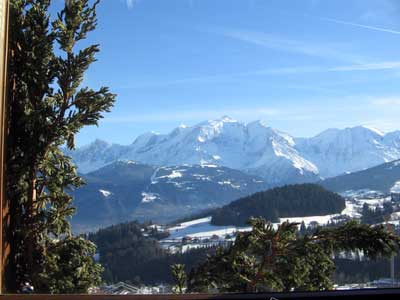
x=192 y=169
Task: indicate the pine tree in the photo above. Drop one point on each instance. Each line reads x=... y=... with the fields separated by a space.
x=303 y=228
x=268 y=259
x=47 y=107
x=179 y=275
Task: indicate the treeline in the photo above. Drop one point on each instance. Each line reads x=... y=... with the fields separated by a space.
x=298 y=200
x=377 y=214
x=131 y=252
x=361 y=271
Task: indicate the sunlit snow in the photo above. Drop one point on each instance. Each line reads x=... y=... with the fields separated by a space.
x=174 y=174
x=395 y=188
x=105 y=193
x=148 y=197
x=227 y=182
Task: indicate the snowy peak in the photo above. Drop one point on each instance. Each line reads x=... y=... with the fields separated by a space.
x=337 y=151
x=373 y=129
x=226 y=142
x=222 y=120
x=254 y=148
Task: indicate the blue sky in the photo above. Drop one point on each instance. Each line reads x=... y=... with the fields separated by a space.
x=301 y=66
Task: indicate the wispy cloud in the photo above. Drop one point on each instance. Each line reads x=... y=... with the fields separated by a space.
x=389 y=101
x=377 y=66
x=275 y=42
x=131 y=3
x=275 y=71
x=386 y=65
x=382 y=29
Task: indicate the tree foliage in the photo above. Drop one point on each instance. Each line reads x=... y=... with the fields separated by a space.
x=48 y=106
x=268 y=259
x=179 y=275
x=281 y=202
x=375 y=215
x=131 y=252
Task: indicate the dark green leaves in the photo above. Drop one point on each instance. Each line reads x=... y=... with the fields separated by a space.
x=48 y=106
x=179 y=276
x=269 y=259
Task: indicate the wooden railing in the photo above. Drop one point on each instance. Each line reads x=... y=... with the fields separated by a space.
x=384 y=294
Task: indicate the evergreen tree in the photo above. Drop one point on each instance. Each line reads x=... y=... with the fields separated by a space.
x=280 y=202
x=47 y=107
x=179 y=275
x=303 y=228
x=268 y=259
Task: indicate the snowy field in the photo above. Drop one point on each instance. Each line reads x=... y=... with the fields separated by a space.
x=202 y=228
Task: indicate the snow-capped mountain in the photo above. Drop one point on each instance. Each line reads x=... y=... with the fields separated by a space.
x=96 y=155
x=336 y=151
x=254 y=148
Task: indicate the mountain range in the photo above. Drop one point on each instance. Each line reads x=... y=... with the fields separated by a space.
x=253 y=148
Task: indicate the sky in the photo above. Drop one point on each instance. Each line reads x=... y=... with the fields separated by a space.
x=300 y=66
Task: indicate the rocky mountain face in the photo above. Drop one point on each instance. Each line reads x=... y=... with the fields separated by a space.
x=125 y=190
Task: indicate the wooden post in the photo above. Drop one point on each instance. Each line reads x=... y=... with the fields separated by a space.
x=4 y=18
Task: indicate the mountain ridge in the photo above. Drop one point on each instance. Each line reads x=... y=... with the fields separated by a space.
x=382 y=178
x=253 y=148
x=126 y=190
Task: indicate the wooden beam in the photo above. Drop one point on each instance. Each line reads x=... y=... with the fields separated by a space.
x=362 y=294
x=4 y=18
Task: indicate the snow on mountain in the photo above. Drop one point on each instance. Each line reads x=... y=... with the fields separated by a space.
x=105 y=193
x=395 y=188
x=254 y=148
x=392 y=139
x=339 y=151
x=144 y=192
x=95 y=155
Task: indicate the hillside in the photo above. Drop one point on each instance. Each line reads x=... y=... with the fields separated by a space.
x=125 y=190
x=288 y=201
x=381 y=178
x=131 y=252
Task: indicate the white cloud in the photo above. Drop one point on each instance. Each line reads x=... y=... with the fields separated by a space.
x=385 y=65
x=289 y=45
x=377 y=66
x=367 y=67
x=362 y=26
